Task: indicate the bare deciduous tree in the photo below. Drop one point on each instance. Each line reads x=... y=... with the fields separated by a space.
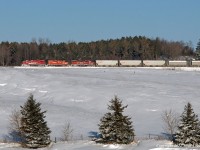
x=170 y=121
x=14 y=126
x=15 y=120
x=67 y=132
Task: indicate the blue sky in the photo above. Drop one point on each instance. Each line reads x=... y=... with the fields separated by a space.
x=91 y=20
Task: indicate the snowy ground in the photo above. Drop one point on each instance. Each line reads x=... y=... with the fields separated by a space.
x=80 y=96
x=88 y=145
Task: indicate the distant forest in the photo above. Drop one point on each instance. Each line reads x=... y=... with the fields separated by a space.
x=126 y=48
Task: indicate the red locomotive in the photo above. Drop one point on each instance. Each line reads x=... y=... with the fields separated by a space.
x=33 y=63
x=82 y=63
x=57 y=63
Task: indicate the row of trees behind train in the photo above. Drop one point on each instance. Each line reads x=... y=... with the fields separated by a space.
x=126 y=48
x=29 y=127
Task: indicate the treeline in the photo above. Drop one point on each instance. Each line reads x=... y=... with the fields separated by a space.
x=127 y=48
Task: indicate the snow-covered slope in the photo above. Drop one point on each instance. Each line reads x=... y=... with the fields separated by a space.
x=80 y=95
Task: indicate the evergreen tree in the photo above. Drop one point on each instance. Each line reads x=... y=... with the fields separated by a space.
x=114 y=126
x=198 y=46
x=198 y=50
x=188 y=129
x=34 y=129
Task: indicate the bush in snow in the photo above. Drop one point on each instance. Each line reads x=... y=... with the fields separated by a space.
x=94 y=135
x=33 y=127
x=188 y=132
x=114 y=126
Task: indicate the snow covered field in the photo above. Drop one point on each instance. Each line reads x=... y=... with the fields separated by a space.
x=80 y=96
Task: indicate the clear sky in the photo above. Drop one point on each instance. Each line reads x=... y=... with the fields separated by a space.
x=91 y=20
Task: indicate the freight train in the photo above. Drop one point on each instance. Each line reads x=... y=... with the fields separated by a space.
x=115 y=63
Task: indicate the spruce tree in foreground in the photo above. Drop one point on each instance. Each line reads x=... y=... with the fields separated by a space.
x=33 y=127
x=188 y=130
x=114 y=126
